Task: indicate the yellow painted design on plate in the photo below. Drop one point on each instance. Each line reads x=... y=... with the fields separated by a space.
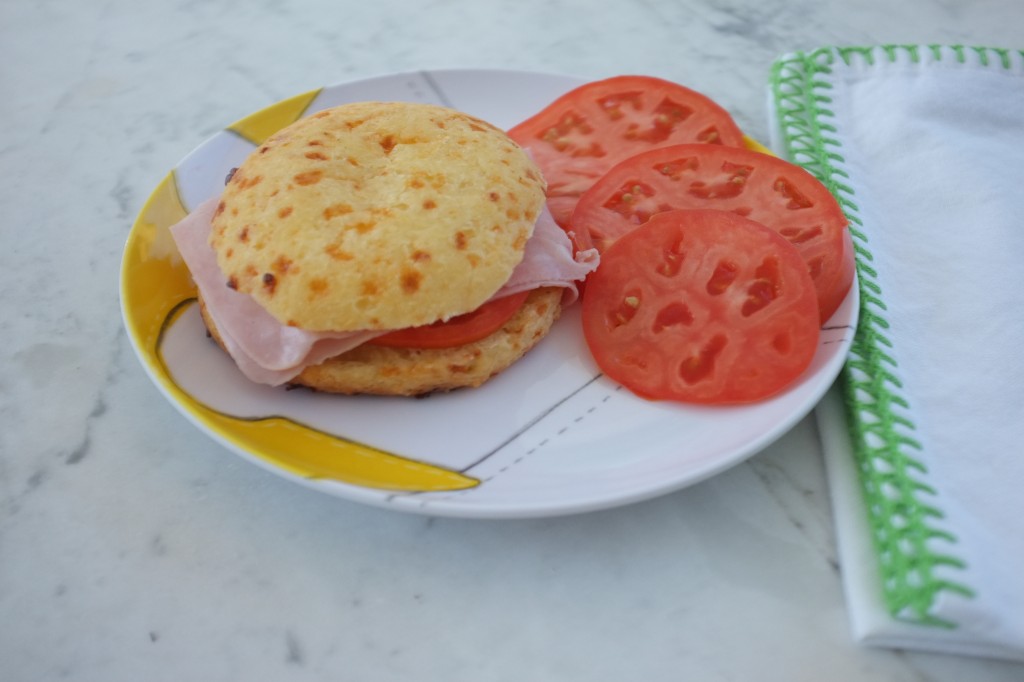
x=755 y=146
x=154 y=279
x=259 y=126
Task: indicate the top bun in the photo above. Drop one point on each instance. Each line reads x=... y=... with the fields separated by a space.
x=377 y=215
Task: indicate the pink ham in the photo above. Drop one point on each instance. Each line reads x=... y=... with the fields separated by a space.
x=269 y=352
x=548 y=262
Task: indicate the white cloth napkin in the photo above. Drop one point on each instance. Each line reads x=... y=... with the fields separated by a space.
x=924 y=432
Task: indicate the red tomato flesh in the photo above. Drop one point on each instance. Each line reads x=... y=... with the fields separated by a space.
x=760 y=187
x=586 y=131
x=460 y=330
x=701 y=307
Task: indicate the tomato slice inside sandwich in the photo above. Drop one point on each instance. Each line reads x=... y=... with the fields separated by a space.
x=583 y=133
x=459 y=330
x=758 y=186
x=701 y=307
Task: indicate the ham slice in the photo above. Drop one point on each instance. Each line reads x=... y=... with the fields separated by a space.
x=269 y=352
x=548 y=262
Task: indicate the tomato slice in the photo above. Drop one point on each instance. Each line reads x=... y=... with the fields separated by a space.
x=459 y=330
x=701 y=306
x=760 y=187
x=586 y=131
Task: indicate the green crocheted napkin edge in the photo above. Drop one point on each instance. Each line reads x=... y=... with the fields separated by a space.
x=904 y=512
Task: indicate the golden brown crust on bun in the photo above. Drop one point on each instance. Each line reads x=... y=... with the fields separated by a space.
x=382 y=370
x=377 y=215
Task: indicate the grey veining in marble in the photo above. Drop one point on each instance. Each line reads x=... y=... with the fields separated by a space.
x=132 y=547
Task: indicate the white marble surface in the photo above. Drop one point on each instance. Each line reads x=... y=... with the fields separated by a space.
x=134 y=548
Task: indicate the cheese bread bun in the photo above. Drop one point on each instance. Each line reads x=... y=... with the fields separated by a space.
x=377 y=215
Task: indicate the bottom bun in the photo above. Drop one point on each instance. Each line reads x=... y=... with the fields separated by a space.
x=381 y=370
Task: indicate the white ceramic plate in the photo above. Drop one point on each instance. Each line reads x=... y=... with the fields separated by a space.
x=548 y=436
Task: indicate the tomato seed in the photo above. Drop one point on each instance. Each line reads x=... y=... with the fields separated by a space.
x=625 y=311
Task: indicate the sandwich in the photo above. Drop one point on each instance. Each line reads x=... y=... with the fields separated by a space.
x=381 y=247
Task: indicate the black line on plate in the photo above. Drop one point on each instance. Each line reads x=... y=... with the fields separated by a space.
x=529 y=425
x=437 y=89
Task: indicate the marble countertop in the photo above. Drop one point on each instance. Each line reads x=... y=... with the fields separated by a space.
x=133 y=547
